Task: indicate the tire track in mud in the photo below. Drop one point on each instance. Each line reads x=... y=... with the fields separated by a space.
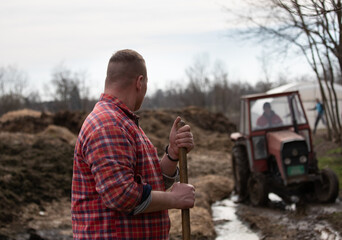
x=277 y=221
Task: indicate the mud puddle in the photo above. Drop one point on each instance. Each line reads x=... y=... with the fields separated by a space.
x=227 y=224
x=276 y=221
x=311 y=221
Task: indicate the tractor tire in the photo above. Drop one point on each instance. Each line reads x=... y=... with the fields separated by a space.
x=257 y=189
x=240 y=171
x=327 y=190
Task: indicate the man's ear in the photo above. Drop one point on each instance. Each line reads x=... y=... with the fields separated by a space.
x=139 y=82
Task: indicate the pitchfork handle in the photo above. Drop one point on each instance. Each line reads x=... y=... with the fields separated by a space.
x=183 y=169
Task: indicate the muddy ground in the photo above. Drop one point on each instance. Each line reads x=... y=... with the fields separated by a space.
x=36 y=152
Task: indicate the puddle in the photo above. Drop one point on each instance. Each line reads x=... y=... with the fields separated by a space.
x=227 y=224
x=276 y=200
x=229 y=227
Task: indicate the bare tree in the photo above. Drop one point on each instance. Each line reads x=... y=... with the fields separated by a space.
x=311 y=28
x=265 y=66
x=70 y=90
x=199 y=82
x=2 y=81
x=13 y=82
x=208 y=87
x=220 y=92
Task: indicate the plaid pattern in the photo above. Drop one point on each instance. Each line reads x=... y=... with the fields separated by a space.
x=113 y=160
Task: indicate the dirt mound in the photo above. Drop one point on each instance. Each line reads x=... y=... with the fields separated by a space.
x=36 y=159
x=210 y=130
x=10 y=116
x=29 y=121
x=198 y=117
x=62 y=133
x=25 y=123
x=33 y=169
x=71 y=120
x=156 y=123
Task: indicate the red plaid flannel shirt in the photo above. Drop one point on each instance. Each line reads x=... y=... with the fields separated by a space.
x=113 y=160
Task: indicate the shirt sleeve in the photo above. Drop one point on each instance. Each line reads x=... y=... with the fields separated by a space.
x=111 y=156
x=170 y=180
x=145 y=200
x=261 y=121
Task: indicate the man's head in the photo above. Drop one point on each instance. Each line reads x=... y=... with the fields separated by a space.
x=126 y=73
x=123 y=67
x=267 y=107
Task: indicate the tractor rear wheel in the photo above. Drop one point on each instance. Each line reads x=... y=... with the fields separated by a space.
x=257 y=188
x=240 y=171
x=327 y=189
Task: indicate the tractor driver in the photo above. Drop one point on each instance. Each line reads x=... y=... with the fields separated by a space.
x=269 y=117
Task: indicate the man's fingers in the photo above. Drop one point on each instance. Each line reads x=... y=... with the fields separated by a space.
x=188 y=145
x=178 y=119
x=185 y=139
x=180 y=142
x=181 y=135
x=185 y=128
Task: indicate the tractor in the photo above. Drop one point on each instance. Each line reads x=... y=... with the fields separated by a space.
x=273 y=153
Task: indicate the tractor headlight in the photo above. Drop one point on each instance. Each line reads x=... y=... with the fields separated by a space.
x=303 y=159
x=287 y=161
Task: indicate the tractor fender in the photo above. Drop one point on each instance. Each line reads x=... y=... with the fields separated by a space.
x=236 y=136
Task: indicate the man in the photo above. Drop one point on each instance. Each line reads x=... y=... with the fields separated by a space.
x=269 y=117
x=119 y=185
x=320 y=113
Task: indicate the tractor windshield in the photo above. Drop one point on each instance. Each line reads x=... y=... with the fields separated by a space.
x=275 y=112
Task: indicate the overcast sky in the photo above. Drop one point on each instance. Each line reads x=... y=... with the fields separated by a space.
x=38 y=35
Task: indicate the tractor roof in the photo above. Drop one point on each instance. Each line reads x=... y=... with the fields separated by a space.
x=268 y=95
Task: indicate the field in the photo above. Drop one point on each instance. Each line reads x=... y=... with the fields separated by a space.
x=36 y=151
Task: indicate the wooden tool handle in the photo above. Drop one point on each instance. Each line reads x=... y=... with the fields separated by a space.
x=186 y=232
x=183 y=171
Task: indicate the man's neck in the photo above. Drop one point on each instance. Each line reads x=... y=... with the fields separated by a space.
x=124 y=96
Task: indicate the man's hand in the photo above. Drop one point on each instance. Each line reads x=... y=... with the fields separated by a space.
x=180 y=138
x=184 y=195
x=181 y=196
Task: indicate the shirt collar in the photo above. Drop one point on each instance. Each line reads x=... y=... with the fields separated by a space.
x=115 y=101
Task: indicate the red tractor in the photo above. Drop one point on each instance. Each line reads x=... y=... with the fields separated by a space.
x=273 y=153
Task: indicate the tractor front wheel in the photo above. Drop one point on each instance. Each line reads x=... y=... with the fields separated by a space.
x=327 y=189
x=257 y=188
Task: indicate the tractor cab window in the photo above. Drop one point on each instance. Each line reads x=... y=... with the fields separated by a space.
x=275 y=112
x=268 y=112
x=298 y=110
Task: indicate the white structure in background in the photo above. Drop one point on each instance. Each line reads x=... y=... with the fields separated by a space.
x=309 y=92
